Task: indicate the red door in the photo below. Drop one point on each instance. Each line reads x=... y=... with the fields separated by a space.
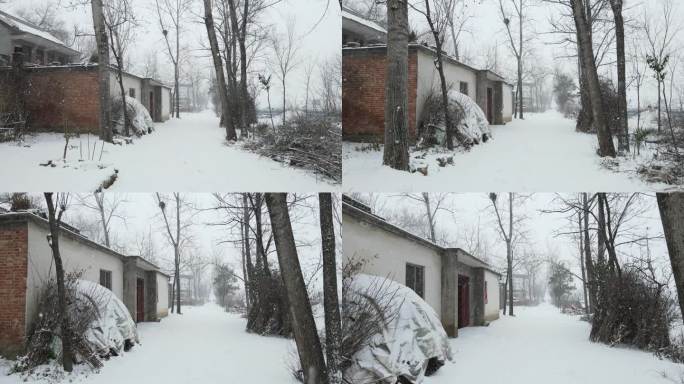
x=140 y=301
x=463 y=301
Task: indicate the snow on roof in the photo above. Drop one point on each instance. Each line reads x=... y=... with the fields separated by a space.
x=349 y=14
x=27 y=27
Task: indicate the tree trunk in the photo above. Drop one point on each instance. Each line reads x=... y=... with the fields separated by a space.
x=106 y=133
x=583 y=264
x=226 y=119
x=520 y=64
x=606 y=147
x=116 y=47
x=284 y=99
x=431 y=220
x=177 y=63
x=671 y=206
x=396 y=87
x=333 y=327
x=53 y=240
x=509 y=253
x=241 y=32
x=177 y=254
x=306 y=337
x=659 y=102
x=601 y=235
x=587 y=252
x=623 y=135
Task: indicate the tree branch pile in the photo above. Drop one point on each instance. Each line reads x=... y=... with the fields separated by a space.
x=309 y=142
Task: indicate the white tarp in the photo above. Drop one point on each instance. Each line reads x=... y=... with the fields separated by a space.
x=139 y=117
x=474 y=123
x=413 y=336
x=107 y=334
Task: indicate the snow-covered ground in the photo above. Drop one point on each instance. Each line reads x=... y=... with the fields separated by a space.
x=187 y=154
x=541 y=153
x=203 y=345
x=541 y=345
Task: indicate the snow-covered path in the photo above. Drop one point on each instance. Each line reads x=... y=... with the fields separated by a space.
x=541 y=345
x=540 y=154
x=204 y=345
x=187 y=154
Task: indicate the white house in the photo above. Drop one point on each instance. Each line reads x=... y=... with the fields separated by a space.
x=462 y=289
x=26 y=263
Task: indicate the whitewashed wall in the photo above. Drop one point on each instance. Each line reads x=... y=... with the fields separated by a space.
x=76 y=257
x=6 y=47
x=166 y=103
x=387 y=255
x=492 y=304
x=507 y=102
x=162 y=295
x=428 y=79
x=128 y=82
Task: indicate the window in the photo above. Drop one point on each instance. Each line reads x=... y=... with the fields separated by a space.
x=464 y=87
x=415 y=278
x=131 y=92
x=106 y=279
x=485 y=293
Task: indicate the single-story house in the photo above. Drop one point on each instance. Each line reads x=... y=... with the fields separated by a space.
x=26 y=263
x=59 y=93
x=462 y=289
x=364 y=54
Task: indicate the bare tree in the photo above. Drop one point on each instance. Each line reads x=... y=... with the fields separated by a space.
x=226 y=117
x=623 y=135
x=120 y=22
x=285 y=57
x=333 y=326
x=586 y=50
x=56 y=208
x=171 y=14
x=519 y=7
x=507 y=236
x=671 y=206
x=107 y=209
x=306 y=337
x=395 y=152
x=106 y=132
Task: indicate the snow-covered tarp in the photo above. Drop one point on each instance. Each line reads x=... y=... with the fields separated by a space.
x=114 y=328
x=140 y=120
x=472 y=125
x=414 y=337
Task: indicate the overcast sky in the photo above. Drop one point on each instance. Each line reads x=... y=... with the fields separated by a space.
x=317 y=25
x=542 y=230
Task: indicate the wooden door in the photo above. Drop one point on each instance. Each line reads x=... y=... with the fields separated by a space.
x=140 y=301
x=463 y=301
x=490 y=105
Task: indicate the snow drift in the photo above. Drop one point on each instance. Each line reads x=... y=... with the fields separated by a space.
x=413 y=342
x=139 y=118
x=113 y=330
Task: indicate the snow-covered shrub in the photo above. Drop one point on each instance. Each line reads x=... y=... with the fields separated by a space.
x=99 y=325
x=632 y=308
x=471 y=126
x=139 y=119
x=268 y=312
x=408 y=341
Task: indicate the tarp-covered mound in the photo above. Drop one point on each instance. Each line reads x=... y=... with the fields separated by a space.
x=472 y=126
x=413 y=342
x=138 y=117
x=114 y=329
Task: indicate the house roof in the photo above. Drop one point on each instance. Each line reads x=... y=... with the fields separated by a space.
x=352 y=20
x=74 y=234
x=24 y=28
x=352 y=209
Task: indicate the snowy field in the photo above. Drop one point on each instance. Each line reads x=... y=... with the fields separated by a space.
x=187 y=154
x=541 y=153
x=541 y=345
x=204 y=345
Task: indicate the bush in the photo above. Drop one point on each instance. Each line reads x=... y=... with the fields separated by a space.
x=632 y=309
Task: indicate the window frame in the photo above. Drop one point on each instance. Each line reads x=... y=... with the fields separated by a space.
x=461 y=87
x=131 y=92
x=414 y=281
x=107 y=275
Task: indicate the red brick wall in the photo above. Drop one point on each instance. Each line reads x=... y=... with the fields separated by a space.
x=13 y=273
x=59 y=97
x=363 y=93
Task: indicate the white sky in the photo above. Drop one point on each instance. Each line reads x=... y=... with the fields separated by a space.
x=541 y=229
x=319 y=41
